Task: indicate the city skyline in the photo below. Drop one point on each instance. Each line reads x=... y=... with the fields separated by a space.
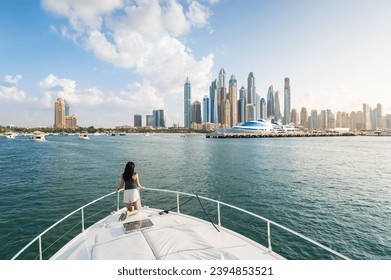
x=114 y=59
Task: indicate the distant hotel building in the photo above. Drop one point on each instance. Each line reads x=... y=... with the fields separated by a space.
x=62 y=120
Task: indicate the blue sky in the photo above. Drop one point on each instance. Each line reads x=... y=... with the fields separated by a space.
x=116 y=58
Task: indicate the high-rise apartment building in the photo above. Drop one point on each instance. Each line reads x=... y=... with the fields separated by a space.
x=277 y=110
x=137 y=121
x=213 y=102
x=233 y=100
x=366 y=117
x=270 y=102
x=158 y=118
x=250 y=112
x=287 y=101
x=263 y=109
x=187 y=104
x=250 y=89
x=313 y=124
x=206 y=109
x=242 y=105
x=149 y=120
x=221 y=95
x=196 y=112
x=304 y=117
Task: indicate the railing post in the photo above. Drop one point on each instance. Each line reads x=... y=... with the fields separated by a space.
x=218 y=214
x=117 y=201
x=268 y=236
x=40 y=248
x=177 y=202
x=82 y=219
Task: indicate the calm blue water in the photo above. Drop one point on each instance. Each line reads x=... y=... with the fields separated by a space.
x=334 y=190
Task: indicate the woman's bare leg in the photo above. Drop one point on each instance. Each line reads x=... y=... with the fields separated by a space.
x=136 y=207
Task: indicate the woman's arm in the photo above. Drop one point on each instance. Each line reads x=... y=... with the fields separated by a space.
x=138 y=182
x=121 y=185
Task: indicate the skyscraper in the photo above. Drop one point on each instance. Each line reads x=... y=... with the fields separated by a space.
x=270 y=102
x=263 y=109
x=158 y=118
x=233 y=100
x=137 y=120
x=366 y=117
x=196 y=112
x=66 y=108
x=59 y=113
x=277 y=110
x=187 y=103
x=250 y=89
x=206 y=109
x=303 y=117
x=287 y=101
x=242 y=105
x=149 y=120
x=213 y=102
x=221 y=92
x=314 y=120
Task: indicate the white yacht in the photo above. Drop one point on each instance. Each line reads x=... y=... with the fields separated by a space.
x=84 y=136
x=162 y=233
x=10 y=135
x=37 y=136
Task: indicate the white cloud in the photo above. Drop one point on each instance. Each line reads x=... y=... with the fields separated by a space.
x=144 y=36
x=10 y=91
x=198 y=14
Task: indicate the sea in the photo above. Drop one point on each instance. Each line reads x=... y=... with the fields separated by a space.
x=334 y=190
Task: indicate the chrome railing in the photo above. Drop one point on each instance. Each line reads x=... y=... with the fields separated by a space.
x=218 y=203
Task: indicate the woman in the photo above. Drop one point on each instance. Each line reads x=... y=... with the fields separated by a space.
x=131 y=194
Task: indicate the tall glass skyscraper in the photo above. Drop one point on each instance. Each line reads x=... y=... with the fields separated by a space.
x=206 y=111
x=242 y=105
x=196 y=112
x=213 y=102
x=251 y=89
x=187 y=104
x=221 y=95
x=137 y=122
x=158 y=118
x=287 y=101
x=263 y=109
x=270 y=102
x=277 y=110
x=233 y=99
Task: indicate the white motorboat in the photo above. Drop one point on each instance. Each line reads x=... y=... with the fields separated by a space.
x=37 y=136
x=10 y=135
x=161 y=233
x=84 y=136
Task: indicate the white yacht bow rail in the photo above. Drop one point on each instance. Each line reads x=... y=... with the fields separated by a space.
x=178 y=194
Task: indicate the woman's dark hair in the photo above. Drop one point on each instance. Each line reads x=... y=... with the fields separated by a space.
x=129 y=171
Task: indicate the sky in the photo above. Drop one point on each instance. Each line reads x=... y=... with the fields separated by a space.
x=113 y=59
